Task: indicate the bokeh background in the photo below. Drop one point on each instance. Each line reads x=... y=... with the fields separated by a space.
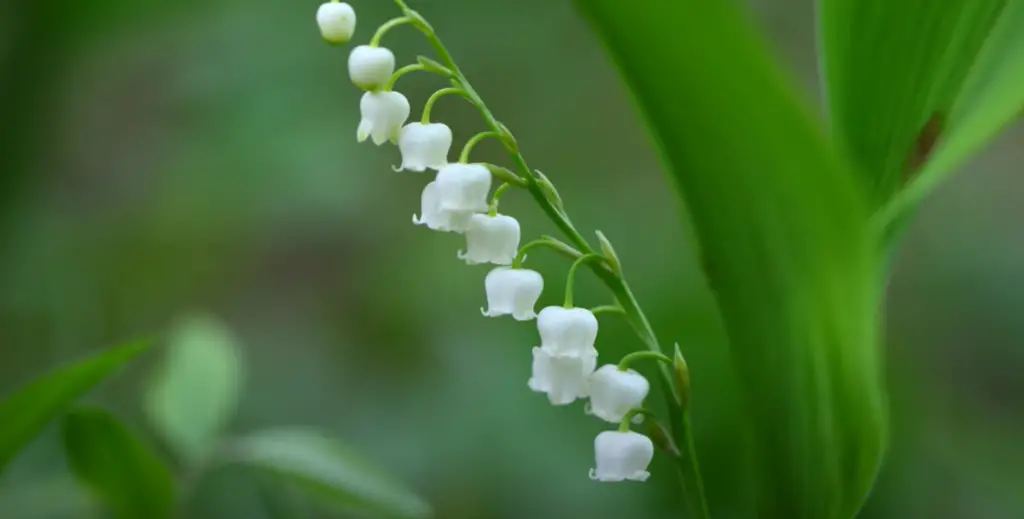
x=159 y=159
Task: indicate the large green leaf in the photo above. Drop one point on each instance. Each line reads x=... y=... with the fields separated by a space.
x=328 y=471
x=24 y=414
x=196 y=391
x=782 y=229
x=107 y=458
x=894 y=70
x=992 y=97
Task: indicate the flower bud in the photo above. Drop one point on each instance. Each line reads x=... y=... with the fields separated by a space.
x=464 y=187
x=371 y=67
x=491 y=239
x=512 y=292
x=437 y=218
x=383 y=114
x=567 y=331
x=337 y=21
x=424 y=146
x=621 y=456
x=562 y=377
x=613 y=392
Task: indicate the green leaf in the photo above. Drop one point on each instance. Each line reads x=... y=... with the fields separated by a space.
x=109 y=460
x=992 y=97
x=894 y=70
x=781 y=224
x=327 y=470
x=196 y=391
x=25 y=413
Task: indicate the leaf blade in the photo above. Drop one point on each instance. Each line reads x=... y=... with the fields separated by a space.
x=25 y=413
x=108 y=459
x=327 y=469
x=781 y=223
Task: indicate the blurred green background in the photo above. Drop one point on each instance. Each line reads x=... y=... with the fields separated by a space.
x=163 y=158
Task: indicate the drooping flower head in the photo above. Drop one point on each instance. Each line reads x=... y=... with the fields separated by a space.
x=491 y=239
x=424 y=146
x=621 y=456
x=436 y=217
x=562 y=377
x=383 y=114
x=512 y=291
x=337 y=21
x=464 y=187
x=371 y=67
x=567 y=330
x=614 y=392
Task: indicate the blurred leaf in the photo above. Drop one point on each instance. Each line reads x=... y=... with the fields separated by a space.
x=25 y=413
x=785 y=247
x=108 y=459
x=992 y=97
x=328 y=470
x=55 y=497
x=196 y=392
x=893 y=71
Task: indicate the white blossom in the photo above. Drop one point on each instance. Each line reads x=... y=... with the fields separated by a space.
x=563 y=377
x=383 y=114
x=622 y=455
x=337 y=21
x=464 y=187
x=614 y=392
x=491 y=239
x=424 y=146
x=567 y=331
x=371 y=67
x=512 y=291
x=437 y=218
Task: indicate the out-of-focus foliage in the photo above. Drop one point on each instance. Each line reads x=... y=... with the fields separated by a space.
x=196 y=392
x=173 y=156
x=25 y=413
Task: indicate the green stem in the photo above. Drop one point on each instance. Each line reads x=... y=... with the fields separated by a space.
x=403 y=71
x=571 y=279
x=390 y=24
x=497 y=195
x=615 y=283
x=543 y=242
x=471 y=143
x=628 y=417
x=640 y=355
x=607 y=309
x=429 y=105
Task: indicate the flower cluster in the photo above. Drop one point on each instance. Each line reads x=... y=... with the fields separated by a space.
x=459 y=199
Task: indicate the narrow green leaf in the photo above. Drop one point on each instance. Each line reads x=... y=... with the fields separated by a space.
x=108 y=459
x=196 y=391
x=894 y=70
x=782 y=229
x=992 y=97
x=25 y=413
x=327 y=470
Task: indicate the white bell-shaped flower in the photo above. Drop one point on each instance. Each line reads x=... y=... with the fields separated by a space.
x=437 y=218
x=614 y=392
x=424 y=146
x=337 y=21
x=622 y=455
x=563 y=377
x=512 y=292
x=464 y=187
x=567 y=331
x=491 y=239
x=383 y=114
x=371 y=67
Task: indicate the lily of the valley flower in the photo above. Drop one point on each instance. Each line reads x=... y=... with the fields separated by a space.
x=424 y=146
x=567 y=331
x=383 y=114
x=614 y=392
x=622 y=455
x=491 y=239
x=512 y=291
x=436 y=217
x=337 y=21
x=371 y=67
x=562 y=377
x=464 y=187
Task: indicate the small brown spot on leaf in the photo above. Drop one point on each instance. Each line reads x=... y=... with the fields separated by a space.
x=923 y=146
